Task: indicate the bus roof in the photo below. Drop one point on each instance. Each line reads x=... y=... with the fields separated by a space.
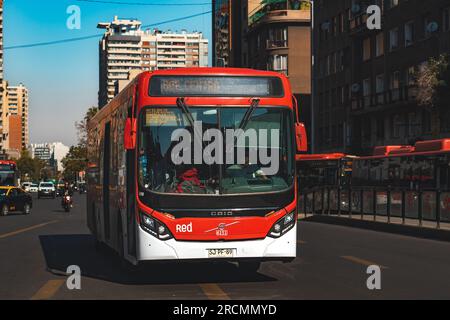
x=431 y=147
x=8 y=162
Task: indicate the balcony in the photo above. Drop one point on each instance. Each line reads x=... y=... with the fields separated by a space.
x=280 y=11
x=393 y=97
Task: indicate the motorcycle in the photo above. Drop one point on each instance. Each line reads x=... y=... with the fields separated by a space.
x=67 y=203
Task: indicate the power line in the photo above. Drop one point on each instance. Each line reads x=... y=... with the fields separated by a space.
x=145 y=3
x=48 y=43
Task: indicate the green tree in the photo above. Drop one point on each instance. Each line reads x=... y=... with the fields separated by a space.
x=433 y=81
x=82 y=126
x=29 y=168
x=74 y=162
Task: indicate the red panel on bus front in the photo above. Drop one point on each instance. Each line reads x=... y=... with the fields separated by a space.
x=221 y=229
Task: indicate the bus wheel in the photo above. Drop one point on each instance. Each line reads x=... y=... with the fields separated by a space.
x=5 y=210
x=249 y=266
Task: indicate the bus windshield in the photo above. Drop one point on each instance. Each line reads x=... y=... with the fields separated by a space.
x=217 y=155
x=7 y=178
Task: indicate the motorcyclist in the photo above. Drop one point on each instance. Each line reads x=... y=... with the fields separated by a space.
x=67 y=191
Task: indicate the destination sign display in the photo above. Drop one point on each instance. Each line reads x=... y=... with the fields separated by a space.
x=215 y=86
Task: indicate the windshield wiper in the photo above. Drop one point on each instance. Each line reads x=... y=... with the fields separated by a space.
x=249 y=113
x=187 y=112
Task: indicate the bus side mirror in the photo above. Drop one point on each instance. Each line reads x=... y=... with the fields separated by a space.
x=301 y=137
x=130 y=134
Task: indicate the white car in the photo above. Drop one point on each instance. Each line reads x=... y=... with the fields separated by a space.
x=34 y=188
x=47 y=190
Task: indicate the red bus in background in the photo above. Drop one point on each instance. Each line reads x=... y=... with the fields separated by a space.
x=9 y=174
x=326 y=170
x=402 y=181
x=422 y=166
x=146 y=207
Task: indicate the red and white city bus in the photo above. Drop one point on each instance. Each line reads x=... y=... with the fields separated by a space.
x=9 y=174
x=148 y=207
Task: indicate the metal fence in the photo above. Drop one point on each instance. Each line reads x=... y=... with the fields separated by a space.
x=423 y=205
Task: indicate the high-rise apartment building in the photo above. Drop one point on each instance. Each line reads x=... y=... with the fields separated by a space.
x=18 y=117
x=230 y=28
x=4 y=122
x=3 y=85
x=365 y=88
x=126 y=48
x=272 y=35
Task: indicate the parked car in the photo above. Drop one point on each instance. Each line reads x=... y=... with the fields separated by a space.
x=14 y=199
x=34 y=188
x=46 y=190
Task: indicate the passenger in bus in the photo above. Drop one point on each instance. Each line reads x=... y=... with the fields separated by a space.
x=189 y=182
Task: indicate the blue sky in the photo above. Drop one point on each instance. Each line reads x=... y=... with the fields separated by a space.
x=63 y=78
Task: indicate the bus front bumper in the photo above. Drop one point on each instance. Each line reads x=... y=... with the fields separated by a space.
x=152 y=249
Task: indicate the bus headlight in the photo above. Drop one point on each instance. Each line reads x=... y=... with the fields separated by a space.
x=283 y=225
x=155 y=228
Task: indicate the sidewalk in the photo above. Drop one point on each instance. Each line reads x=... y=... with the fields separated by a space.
x=384 y=219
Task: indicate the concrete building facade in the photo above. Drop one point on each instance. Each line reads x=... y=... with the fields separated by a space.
x=53 y=153
x=18 y=104
x=3 y=92
x=126 y=48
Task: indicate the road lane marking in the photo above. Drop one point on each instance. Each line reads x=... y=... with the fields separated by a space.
x=363 y=262
x=48 y=290
x=10 y=234
x=214 y=292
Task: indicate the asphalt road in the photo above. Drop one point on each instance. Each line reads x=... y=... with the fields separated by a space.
x=37 y=249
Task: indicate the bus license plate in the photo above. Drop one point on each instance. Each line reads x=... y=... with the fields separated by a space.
x=221 y=253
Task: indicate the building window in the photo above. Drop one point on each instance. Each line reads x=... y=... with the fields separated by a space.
x=395 y=80
x=393 y=39
x=409 y=33
x=328 y=66
x=380 y=83
x=277 y=38
x=396 y=126
x=414 y=125
x=393 y=3
x=366 y=88
x=380 y=129
x=278 y=63
x=334 y=66
x=366 y=49
x=411 y=76
x=446 y=19
x=426 y=122
x=379 y=50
